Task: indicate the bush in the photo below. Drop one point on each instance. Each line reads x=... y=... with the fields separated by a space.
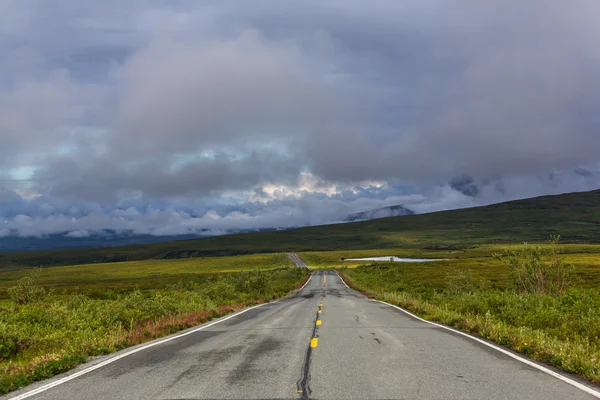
x=464 y=282
x=8 y=347
x=257 y=282
x=27 y=289
x=538 y=270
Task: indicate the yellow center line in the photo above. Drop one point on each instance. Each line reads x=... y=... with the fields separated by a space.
x=314 y=342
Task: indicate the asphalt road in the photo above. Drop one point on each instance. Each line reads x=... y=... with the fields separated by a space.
x=362 y=349
x=296 y=260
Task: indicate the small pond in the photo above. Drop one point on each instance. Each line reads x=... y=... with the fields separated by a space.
x=394 y=259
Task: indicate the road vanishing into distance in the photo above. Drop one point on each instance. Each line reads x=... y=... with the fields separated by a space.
x=325 y=342
x=296 y=260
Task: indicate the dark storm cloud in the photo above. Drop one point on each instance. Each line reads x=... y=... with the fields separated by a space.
x=186 y=102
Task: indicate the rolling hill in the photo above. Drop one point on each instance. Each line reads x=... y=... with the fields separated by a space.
x=575 y=216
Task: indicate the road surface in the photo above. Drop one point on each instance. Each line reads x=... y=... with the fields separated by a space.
x=296 y=260
x=362 y=349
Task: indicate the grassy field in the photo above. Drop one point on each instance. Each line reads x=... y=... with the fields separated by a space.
x=575 y=216
x=88 y=310
x=141 y=274
x=474 y=292
x=478 y=259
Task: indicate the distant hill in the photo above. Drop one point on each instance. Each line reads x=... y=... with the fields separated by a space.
x=105 y=238
x=64 y=241
x=384 y=212
x=575 y=216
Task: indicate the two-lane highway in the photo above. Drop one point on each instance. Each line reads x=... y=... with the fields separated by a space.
x=327 y=342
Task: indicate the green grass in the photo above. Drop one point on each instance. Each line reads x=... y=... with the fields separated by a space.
x=562 y=330
x=575 y=216
x=62 y=330
x=479 y=259
x=142 y=274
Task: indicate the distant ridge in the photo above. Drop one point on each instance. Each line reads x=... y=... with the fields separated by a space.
x=102 y=238
x=384 y=212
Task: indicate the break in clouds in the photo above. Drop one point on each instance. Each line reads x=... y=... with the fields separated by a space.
x=181 y=117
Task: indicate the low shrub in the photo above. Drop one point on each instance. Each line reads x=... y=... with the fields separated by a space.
x=463 y=281
x=27 y=289
x=538 y=270
x=8 y=346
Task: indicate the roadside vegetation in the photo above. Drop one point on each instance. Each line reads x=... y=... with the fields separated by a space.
x=148 y=274
x=540 y=307
x=44 y=331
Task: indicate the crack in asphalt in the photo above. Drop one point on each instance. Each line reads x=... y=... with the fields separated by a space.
x=303 y=384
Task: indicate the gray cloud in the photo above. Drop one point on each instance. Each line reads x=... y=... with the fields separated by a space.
x=500 y=88
x=104 y=178
x=181 y=104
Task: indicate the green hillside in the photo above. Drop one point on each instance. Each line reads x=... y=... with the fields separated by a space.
x=575 y=216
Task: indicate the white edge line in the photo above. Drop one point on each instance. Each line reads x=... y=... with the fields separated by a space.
x=563 y=378
x=113 y=359
x=303 y=286
x=341 y=279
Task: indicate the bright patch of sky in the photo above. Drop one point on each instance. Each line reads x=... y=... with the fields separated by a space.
x=21 y=173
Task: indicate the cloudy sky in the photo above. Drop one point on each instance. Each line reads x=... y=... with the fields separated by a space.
x=169 y=117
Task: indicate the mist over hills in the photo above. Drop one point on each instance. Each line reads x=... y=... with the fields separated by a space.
x=112 y=238
x=383 y=212
x=574 y=216
x=471 y=190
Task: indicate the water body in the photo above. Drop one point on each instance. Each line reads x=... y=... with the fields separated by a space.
x=394 y=259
